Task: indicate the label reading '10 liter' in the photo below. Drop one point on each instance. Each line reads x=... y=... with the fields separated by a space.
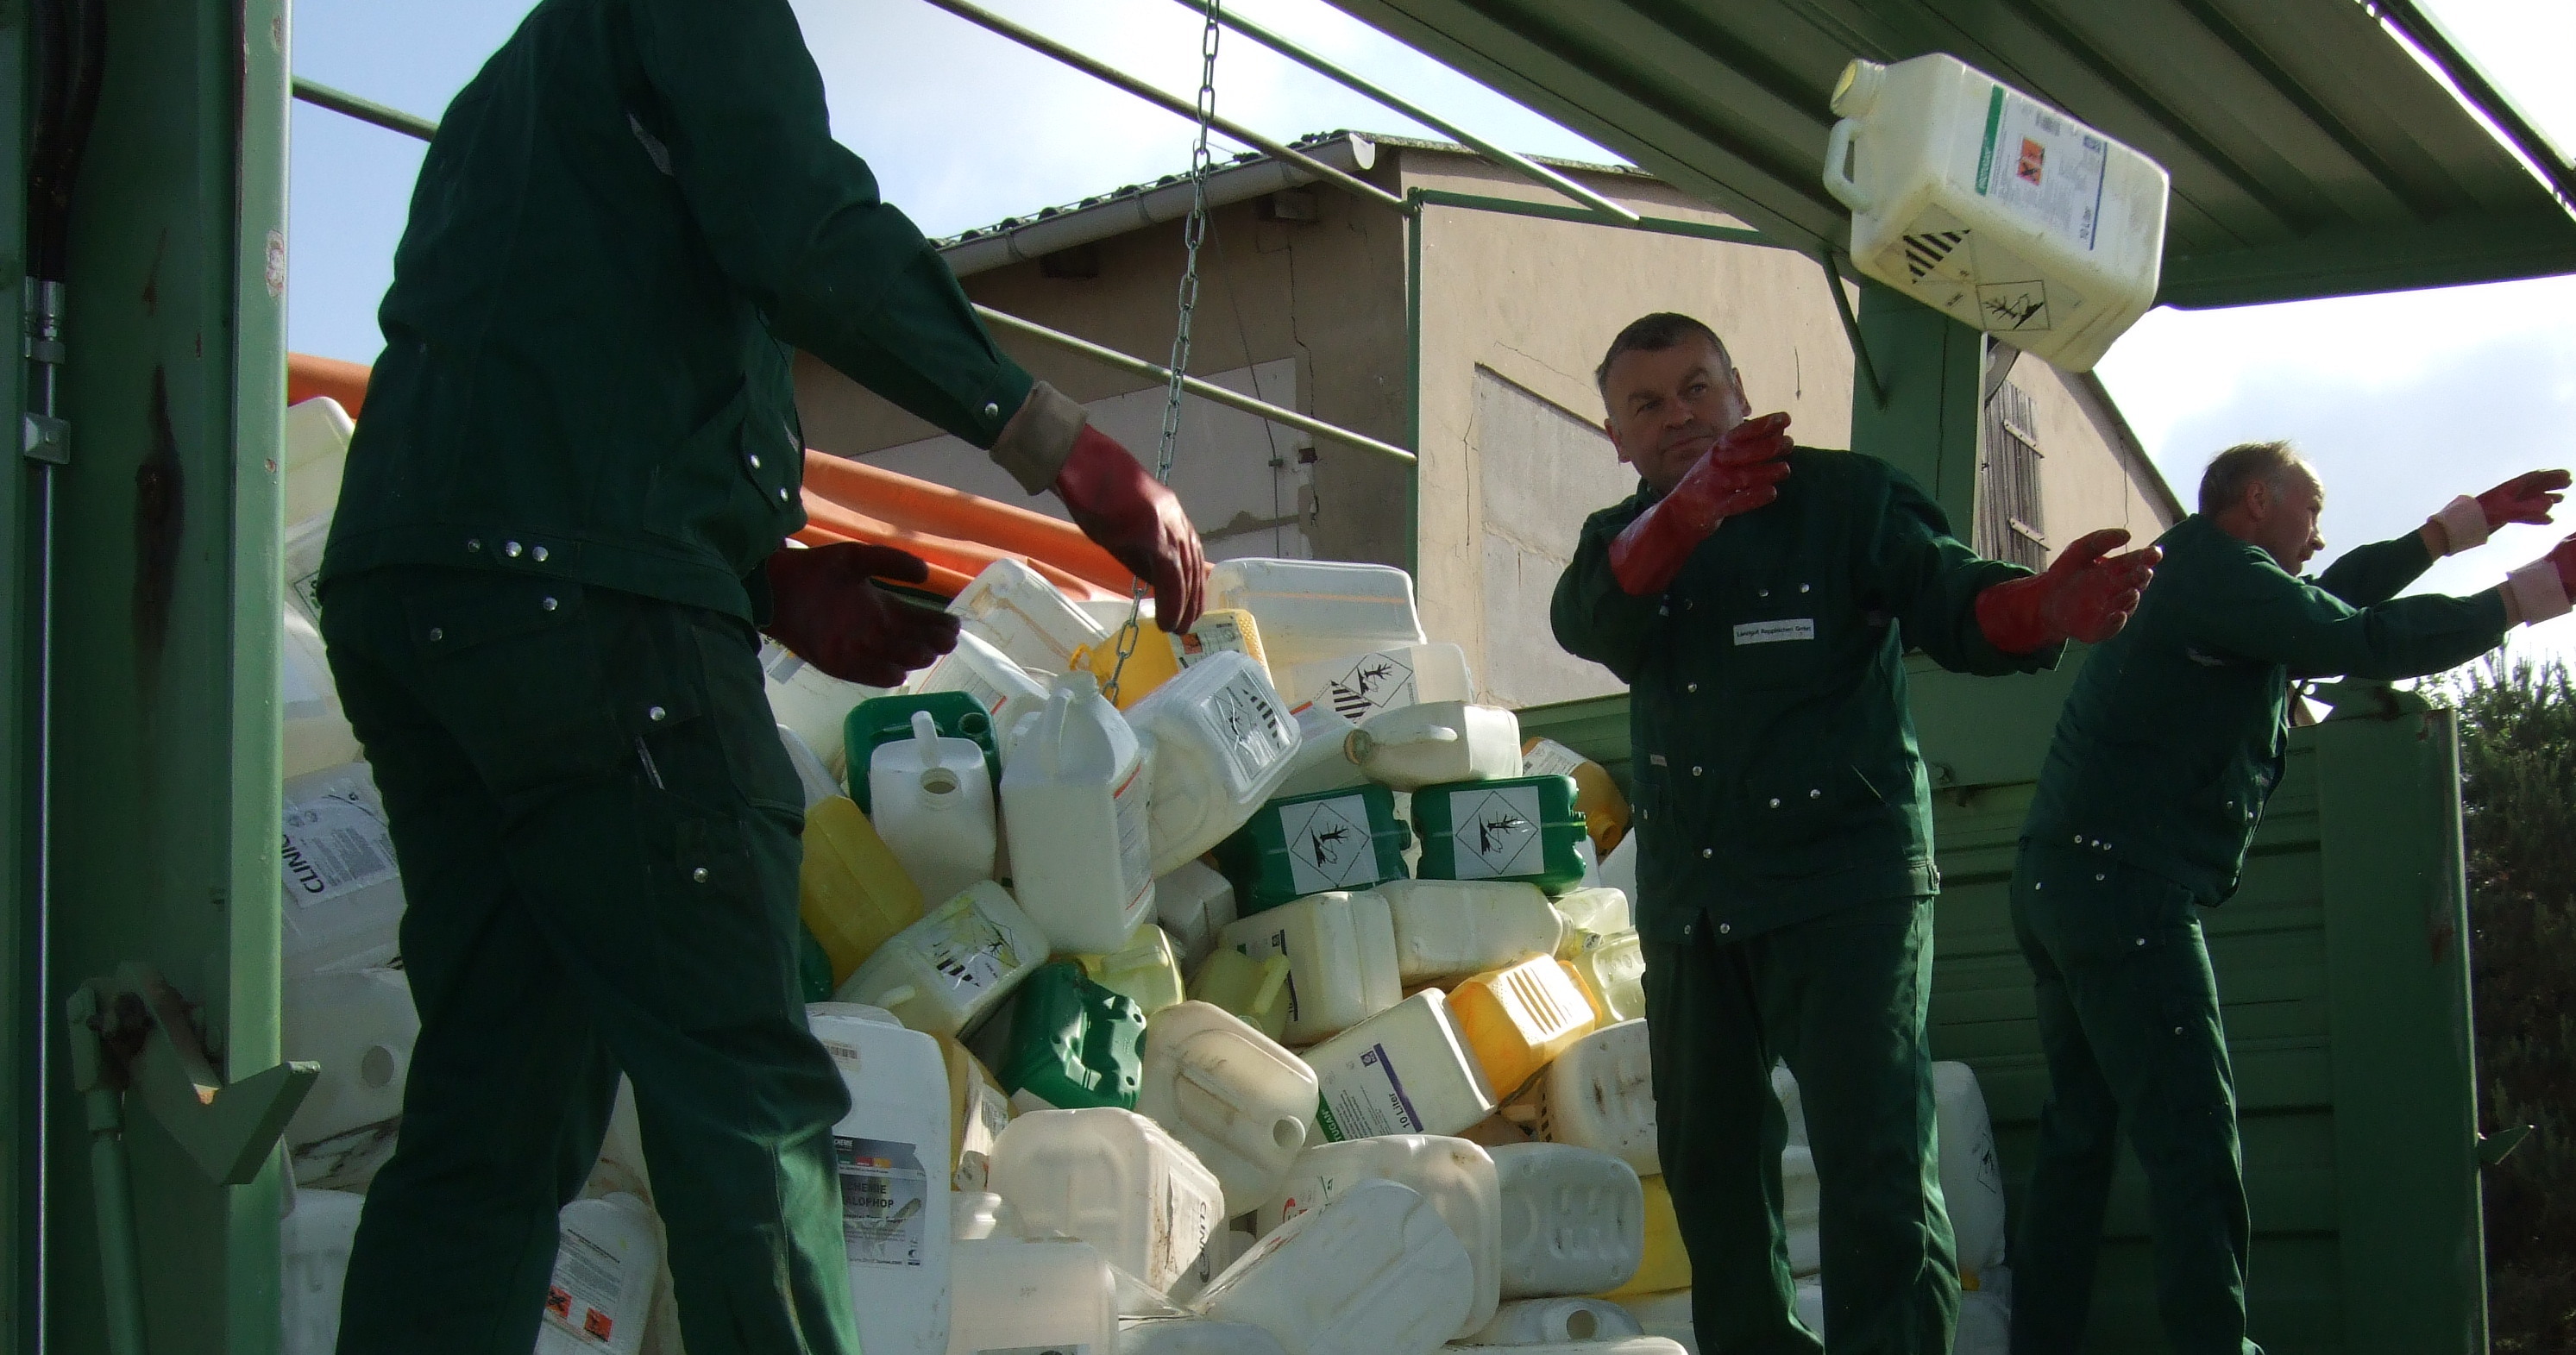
x=1364 y=1097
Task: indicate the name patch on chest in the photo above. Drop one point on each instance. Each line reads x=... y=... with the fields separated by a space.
x=1771 y=632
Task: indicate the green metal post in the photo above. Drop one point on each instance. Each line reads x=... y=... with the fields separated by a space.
x=1927 y=425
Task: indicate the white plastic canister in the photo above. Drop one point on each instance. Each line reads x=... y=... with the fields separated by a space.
x=1615 y=967
x=343 y=893
x=812 y=776
x=1800 y=1215
x=1971 y=1181
x=1114 y=1179
x=942 y=974
x=812 y=702
x=1055 y=1296
x=360 y=1027
x=1994 y=208
x=1341 y=958
x=1194 y=1336
x=1622 y=1345
x=1003 y=688
x=1450 y=927
x=1323 y=760
x=1230 y=1094
x=1456 y=1176
x=319 y=1229
x=1600 y=1094
x=1574 y=1220
x=314 y=733
x=1312 y=610
x=1193 y=902
x=1075 y=798
x=1014 y=609
x=1376 y=1271
x=932 y=801
x=1601 y=910
x=892 y=1154
x=1357 y=686
x=1434 y=743
x=1220 y=740
x=1558 y=1321
x=1667 y=1314
x=1402 y=1071
x=606 y=1261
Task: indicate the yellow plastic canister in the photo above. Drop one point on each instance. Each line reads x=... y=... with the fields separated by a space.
x=1144 y=969
x=1666 y=1265
x=851 y=891
x=1256 y=990
x=1159 y=656
x=1596 y=793
x=1518 y=1018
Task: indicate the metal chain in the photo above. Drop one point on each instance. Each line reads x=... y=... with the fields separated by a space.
x=1193 y=234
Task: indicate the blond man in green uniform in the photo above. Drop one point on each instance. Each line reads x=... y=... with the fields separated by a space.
x=560 y=528
x=2168 y=747
x=1759 y=600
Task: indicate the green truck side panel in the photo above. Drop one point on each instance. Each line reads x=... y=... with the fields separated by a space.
x=2344 y=974
x=166 y=731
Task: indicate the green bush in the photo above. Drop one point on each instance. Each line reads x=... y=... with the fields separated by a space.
x=2518 y=783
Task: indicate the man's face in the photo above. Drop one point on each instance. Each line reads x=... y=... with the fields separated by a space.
x=2284 y=517
x=1669 y=406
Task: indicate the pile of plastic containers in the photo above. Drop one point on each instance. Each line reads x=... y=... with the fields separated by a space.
x=1272 y=1004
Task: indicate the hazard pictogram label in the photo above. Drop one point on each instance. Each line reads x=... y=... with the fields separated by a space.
x=1329 y=846
x=1497 y=834
x=1371 y=683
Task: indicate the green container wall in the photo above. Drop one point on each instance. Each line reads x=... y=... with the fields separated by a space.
x=888 y=719
x=1067 y=1041
x=1487 y=830
x=2343 y=972
x=1257 y=858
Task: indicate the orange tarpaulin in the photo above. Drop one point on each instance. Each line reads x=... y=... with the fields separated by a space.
x=959 y=534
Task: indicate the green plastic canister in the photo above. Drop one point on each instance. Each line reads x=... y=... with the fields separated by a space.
x=1065 y=1042
x=1524 y=828
x=1298 y=845
x=884 y=719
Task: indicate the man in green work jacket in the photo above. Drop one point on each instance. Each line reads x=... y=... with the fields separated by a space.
x=2169 y=745
x=1759 y=600
x=561 y=523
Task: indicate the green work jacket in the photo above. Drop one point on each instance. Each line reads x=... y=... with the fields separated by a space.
x=628 y=220
x=1774 y=769
x=2174 y=734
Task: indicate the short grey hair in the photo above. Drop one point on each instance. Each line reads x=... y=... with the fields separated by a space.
x=1654 y=334
x=2223 y=485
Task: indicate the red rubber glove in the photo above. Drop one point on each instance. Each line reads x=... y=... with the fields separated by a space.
x=825 y=607
x=2082 y=596
x=2524 y=498
x=1139 y=522
x=1741 y=473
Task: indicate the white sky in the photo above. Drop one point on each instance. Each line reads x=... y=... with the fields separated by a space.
x=2403 y=400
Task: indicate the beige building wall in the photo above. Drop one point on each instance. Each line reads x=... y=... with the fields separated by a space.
x=1515 y=312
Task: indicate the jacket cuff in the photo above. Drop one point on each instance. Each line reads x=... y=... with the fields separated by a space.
x=2463 y=525
x=2535 y=593
x=1035 y=444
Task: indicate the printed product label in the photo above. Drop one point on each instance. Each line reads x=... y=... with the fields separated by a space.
x=1547 y=757
x=1497 y=834
x=1369 y=684
x=779 y=662
x=960 y=677
x=334 y=843
x=987 y=1114
x=307 y=589
x=1258 y=734
x=1772 y=632
x=2044 y=167
x=1329 y=846
x=970 y=952
x=885 y=1200
x=587 y=1283
x=1129 y=804
x=1363 y=1098
x=1180 y=1230
x=1212 y=635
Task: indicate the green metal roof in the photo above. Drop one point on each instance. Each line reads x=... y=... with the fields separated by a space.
x=2312 y=154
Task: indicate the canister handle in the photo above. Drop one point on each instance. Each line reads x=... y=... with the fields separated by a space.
x=1837 y=182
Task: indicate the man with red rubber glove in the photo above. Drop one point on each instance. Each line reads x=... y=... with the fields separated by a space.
x=560 y=527
x=2170 y=743
x=1759 y=599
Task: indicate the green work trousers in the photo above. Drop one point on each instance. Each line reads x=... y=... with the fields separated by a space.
x=1841 y=998
x=598 y=835
x=2128 y=1020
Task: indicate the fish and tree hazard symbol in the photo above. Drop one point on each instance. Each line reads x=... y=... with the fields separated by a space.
x=1258 y=732
x=970 y=952
x=1329 y=844
x=1372 y=683
x=1498 y=835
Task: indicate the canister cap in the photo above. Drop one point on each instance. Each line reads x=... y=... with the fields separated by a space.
x=1857 y=90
